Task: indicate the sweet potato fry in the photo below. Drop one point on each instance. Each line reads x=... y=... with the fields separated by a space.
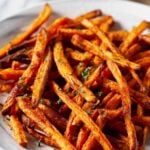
x=88 y=15
x=10 y=74
x=28 y=74
x=84 y=117
x=39 y=118
x=79 y=56
x=100 y=20
x=82 y=32
x=126 y=102
x=67 y=73
x=133 y=35
x=18 y=131
x=32 y=28
x=41 y=78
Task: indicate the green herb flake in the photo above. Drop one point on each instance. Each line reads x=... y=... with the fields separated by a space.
x=46 y=59
x=22 y=78
x=24 y=96
x=89 y=112
x=25 y=86
x=60 y=89
x=81 y=90
x=86 y=73
x=42 y=101
x=99 y=93
x=59 y=101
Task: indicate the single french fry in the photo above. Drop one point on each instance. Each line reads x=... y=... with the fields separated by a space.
x=88 y=15
x=133 y=35
x=32 y=28
x=100 y=20
x=79 y=56
x=47 y=140
x=54 y=117
x=66 y=32
x=102 y=53
x=84 y=117
x=67 y=73
x=138 y=80
x=18 y=131
x=41 y=79
x=10 y=74
x=126 y=102
x=28 y=74
x=39 y=118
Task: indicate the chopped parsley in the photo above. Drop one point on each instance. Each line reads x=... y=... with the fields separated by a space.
x=24 y=96
x=22 y=78
x=99 y=93
x=42 y=100
x=86 y=73
x=89 y=112
x=60 y=89
x=81 y=90
x=59 y=101
x=46 y=59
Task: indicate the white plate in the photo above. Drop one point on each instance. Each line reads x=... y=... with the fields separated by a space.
x=128 y=14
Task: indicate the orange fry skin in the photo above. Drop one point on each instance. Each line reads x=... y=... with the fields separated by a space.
x=18 y=131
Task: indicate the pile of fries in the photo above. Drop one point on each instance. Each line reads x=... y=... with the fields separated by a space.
x=78 y=84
